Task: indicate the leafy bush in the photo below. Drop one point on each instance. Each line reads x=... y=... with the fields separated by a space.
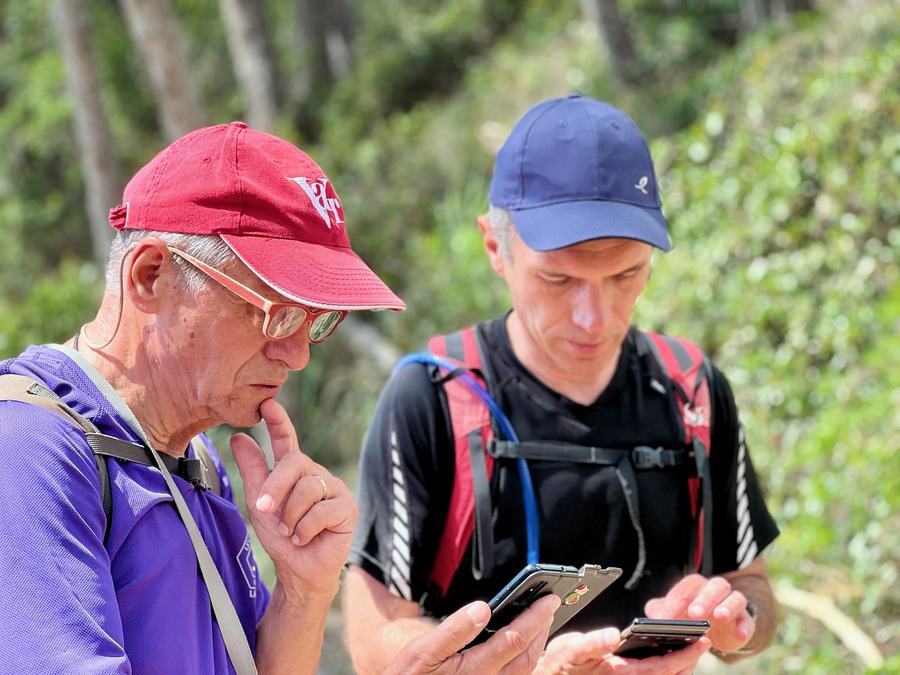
x=784 y=208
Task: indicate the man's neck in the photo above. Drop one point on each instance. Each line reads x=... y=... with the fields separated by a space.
x=145 y=391
x=583 y=385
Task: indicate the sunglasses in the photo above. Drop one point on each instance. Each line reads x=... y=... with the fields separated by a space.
x=283 y=319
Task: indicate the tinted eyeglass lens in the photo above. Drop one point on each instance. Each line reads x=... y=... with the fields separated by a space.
x=286 y=321
x=323 y=326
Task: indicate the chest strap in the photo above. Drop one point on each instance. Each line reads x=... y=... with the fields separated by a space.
x=642 y=457
x=199 y=471
x=625 y=462
x=193 y=470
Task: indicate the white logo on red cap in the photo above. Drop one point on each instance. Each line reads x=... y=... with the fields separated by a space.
x=328 y=207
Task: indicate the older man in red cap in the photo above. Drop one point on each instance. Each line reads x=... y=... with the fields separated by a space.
x=231 y=257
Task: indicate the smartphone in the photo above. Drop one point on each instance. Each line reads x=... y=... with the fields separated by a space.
x=654 y=637
x=575 y=588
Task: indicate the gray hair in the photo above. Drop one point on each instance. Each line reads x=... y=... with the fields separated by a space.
x=210 y=249
x=501 y=224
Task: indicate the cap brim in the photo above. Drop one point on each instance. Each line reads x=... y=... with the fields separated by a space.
x=328 y=277
x=554 y=226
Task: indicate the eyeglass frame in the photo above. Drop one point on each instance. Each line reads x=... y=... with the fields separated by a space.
x=260 y=301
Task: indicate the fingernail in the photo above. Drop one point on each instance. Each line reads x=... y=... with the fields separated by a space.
x=265 y=502
x=723 y=614
x=296 y=540
x=696 y=610
x=478 y=614
x=610 y=637
x=283 y=530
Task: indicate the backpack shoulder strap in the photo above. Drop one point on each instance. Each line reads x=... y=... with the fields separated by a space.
x=26 y=390
x=202 y=472
x=470 y=497
x=689 y=372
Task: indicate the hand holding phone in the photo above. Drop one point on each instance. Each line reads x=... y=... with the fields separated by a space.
x=654 y=637
x=575 y=588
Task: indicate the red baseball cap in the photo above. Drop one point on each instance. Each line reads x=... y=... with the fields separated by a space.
x=269 y=201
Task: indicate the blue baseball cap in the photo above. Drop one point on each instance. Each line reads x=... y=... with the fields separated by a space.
x=575 y=169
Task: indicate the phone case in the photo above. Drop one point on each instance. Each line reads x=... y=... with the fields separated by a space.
x=653 y=637
x=575 y=587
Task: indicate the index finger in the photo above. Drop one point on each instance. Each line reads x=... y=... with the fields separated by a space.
x=675 y=603
x=281 y=429
x=709 y=597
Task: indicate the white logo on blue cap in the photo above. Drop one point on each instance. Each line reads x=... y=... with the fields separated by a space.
x=642 y=184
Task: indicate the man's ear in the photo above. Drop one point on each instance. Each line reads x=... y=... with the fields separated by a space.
x=492 y=245
x=145 y=277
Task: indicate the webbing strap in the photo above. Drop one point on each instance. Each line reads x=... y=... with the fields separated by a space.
x=642 y=457
x=232 y=631
x=461 y=349
x=25 y=390
x=628 y=481
x=467 y=414
x=483 y=539
x=689 y=372
x=705 y=516
x=194 y=470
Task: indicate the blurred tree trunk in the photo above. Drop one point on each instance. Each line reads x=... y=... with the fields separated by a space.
x=102 y=174
x=253 y=60
x=624 y=64
x=368 y=342
x=325 y=36
x=754 y=13
x=154 y=28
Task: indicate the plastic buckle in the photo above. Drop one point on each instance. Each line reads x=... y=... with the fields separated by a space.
x=645 y=457
x=194 y=471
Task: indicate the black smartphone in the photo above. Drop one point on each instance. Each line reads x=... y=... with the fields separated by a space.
x=654 y=637
x=576 y=587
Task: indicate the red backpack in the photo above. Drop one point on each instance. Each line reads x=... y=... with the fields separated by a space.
x=684 y=373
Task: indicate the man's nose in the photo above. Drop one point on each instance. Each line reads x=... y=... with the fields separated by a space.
x=292 y=351
x=590 y=308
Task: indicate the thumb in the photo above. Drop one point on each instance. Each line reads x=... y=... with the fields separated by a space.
x=451 y=635
x=251 y=464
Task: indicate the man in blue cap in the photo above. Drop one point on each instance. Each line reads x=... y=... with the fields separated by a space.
x=627 y=445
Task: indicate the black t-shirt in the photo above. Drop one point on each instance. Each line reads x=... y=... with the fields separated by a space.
x=406 y=476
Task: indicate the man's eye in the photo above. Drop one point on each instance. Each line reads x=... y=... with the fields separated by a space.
x=625 y=276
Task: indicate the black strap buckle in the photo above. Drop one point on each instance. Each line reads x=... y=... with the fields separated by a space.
x=194 y=471
x=645 y=457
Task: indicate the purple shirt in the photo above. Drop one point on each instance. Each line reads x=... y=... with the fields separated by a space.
x=138 y=604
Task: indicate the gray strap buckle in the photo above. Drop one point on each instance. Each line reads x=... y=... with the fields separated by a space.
x=645 y=457
x=194 y=471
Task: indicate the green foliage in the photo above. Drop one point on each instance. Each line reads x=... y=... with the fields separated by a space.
x=424 y=53
x=784 y=208
x=779 y=163
x=52 y=309
x=41 y=204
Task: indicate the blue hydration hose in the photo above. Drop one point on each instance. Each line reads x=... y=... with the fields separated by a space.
x=531 y=515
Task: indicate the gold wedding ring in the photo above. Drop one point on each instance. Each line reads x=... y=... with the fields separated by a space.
x=323 y=484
